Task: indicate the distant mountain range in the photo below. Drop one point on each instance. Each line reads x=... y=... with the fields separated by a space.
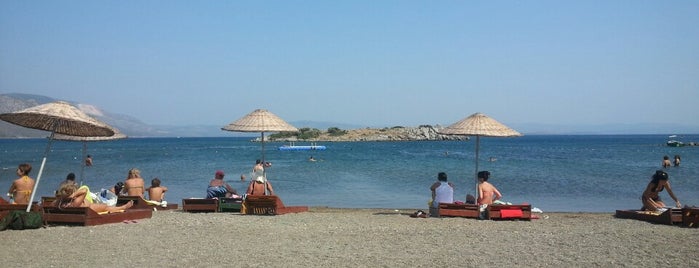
x=133 y=127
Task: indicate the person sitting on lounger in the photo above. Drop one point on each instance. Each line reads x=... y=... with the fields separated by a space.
x=259 y=185
x=651 y=199
x=69 y=195
x=487 y=193
x=21 y=189
x=155 y=191
x=134 y=184
x=118 y=188
x=219 y=188
x=442 y=191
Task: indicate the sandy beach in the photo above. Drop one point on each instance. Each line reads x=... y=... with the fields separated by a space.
x=326 y=237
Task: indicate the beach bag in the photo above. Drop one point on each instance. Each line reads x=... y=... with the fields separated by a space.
x=20 y=220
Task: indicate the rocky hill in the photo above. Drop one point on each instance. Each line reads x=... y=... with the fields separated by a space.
x=421 y=133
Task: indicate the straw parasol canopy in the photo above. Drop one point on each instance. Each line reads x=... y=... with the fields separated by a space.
x=478 y=125
x=117 y=135
x=262 y=121
x=56 y=117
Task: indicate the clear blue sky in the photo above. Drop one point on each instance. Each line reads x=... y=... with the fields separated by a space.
x=373 y=63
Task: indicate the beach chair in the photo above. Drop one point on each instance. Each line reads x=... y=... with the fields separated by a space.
x=690 y=217
x=457 y=210
x=200 y=205
x=88 y=217
x=230 y=204
x=509 y=212
x=269 y=205
x=671 y=216
x=140 y=203
x=6 y=206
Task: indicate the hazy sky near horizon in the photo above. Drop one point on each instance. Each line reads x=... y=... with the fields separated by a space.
x=370 y=63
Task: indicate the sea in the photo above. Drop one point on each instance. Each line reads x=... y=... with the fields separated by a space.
x=555 y=173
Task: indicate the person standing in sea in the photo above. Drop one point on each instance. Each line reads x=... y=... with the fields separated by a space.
x=666 y=161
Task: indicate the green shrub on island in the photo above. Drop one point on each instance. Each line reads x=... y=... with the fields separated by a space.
x=334 y=131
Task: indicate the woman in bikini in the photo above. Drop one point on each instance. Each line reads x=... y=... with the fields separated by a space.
x=22 y=187
x=134 y=184
x=651 y=199
x=69 y=195
x=260 y=186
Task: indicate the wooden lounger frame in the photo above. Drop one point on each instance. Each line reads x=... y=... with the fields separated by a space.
x=493 y=212
x=269 y=205
x=140 y=203
x=200 y=205
x=690 y=217
x=458 y=210
x=88 y=217
x=670 y=217
x=6 y=206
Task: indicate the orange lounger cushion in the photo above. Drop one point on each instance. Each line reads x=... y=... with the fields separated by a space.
x=510 y=213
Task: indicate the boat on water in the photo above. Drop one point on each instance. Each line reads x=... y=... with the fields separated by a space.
x=673 y=142
x=293 y=147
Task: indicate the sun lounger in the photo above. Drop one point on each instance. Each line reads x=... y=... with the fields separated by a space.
x=6 y=206
x=88 y=217
x=458 y=210
x=140 y=203
x=670 y=217
x=269 y=205
x=200 y=205
x=690 y=217
x=509 y=212
x=230 y=204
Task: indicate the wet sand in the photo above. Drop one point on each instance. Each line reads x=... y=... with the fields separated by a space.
x=326 y=237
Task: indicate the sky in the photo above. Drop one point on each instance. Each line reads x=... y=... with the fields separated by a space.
x=369 y=63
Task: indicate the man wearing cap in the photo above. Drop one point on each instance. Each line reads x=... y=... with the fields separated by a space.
x=219 y=188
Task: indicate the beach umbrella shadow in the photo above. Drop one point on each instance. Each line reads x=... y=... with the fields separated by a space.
x=478 y=125
x=58 y=118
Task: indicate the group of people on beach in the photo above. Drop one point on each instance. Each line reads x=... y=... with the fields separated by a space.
x=259 y=185
x=488 y=194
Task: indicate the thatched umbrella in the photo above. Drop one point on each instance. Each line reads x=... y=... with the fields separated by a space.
x=478 y=125
x=260 y=121
x=58 y=118
x=117 y=135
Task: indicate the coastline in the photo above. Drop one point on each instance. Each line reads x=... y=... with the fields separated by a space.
x=355 y=238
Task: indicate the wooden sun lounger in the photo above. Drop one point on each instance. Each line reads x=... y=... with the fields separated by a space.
x=458 y=210
x=6 y=206
x=200 y=205
x=88 y=217
x=269 y=205
x=690 y=217
x=669 y=217
x=140 y=203
x=230 y=204
x=509 y=212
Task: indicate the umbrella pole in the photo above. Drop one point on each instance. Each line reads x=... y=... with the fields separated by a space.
x=82 y=165
x=478 y=143
x=262 y=134
x=41 y=170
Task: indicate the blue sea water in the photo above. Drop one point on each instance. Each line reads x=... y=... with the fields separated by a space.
x=589 y=173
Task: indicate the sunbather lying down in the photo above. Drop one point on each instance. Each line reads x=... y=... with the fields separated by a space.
x=70 y=195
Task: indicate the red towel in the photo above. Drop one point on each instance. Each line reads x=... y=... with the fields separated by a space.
x=510 y=213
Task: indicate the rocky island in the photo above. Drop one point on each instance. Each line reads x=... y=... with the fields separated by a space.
x=398 y=133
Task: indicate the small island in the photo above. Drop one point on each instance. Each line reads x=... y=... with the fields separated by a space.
x=397 y=133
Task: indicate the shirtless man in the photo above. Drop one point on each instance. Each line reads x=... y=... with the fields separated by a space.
x=155 y=191
x=134 y=184
x=22 y=187
x=487 y=193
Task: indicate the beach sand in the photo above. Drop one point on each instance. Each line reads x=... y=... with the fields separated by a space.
x=327 y=237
